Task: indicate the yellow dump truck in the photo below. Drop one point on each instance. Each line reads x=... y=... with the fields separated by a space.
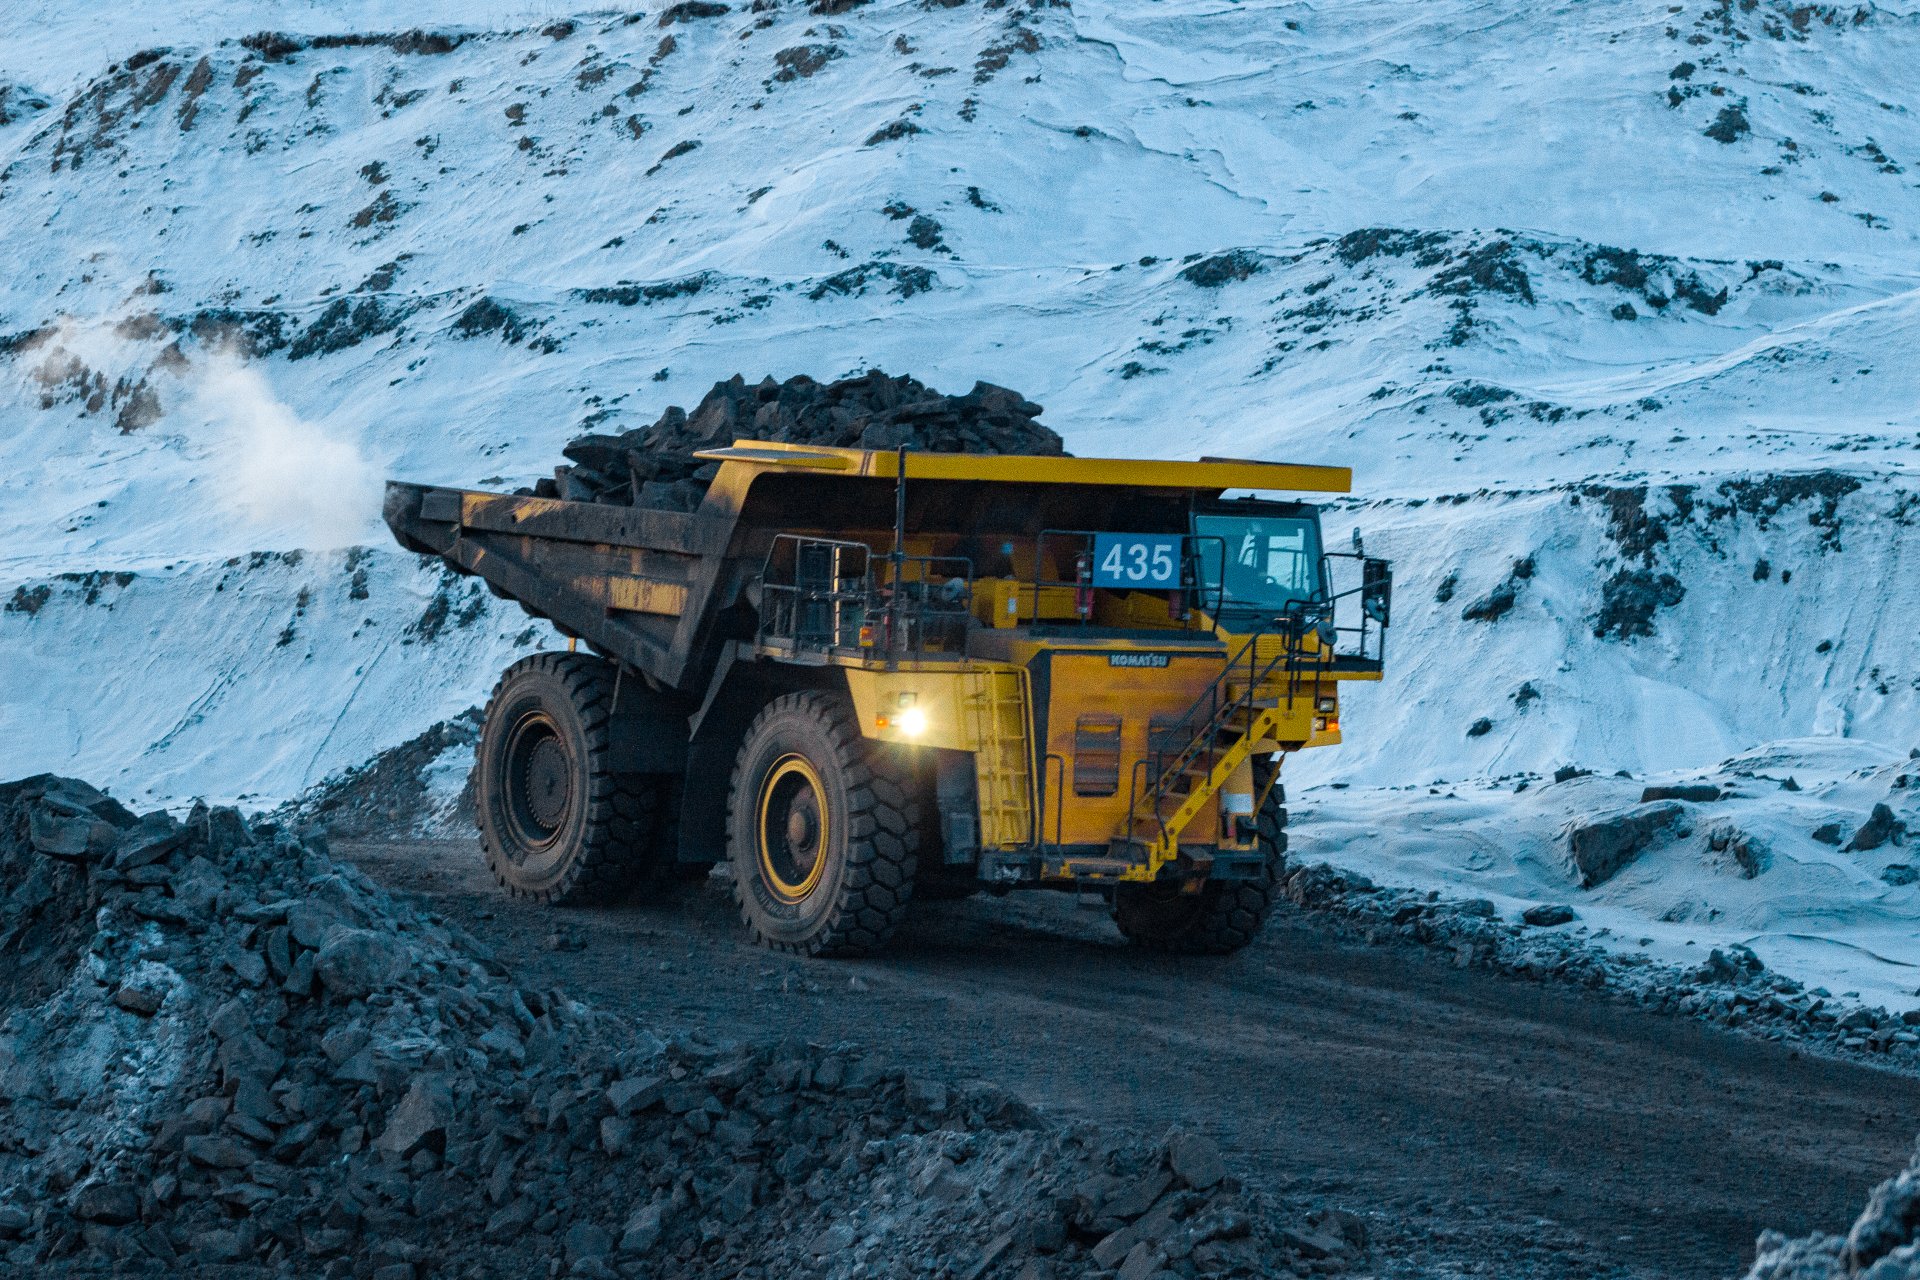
x=858 y=675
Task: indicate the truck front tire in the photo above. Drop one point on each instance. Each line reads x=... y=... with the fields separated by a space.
x=556 y=824
x=822 y=830
x=1225 y=915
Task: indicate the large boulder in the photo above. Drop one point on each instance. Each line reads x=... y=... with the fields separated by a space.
x=355 y=963
x=111 y=1204
x=60 y=834
x=1880 y=827
x=420 y=1119
x=1598 y=848
x=70 y=819
x=1195 y=1159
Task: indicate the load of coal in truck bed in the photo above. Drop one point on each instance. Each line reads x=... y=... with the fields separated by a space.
x=655 y=467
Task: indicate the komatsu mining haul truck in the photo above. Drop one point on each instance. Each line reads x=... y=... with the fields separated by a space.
x=857 y=676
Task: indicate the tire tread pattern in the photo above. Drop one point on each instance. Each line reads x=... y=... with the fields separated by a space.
x=616 y=850
x=882 y=837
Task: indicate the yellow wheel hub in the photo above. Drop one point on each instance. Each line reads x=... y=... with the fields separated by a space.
x=792 y=833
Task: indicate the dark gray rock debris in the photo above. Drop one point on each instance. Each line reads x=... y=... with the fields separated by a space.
x=220 y=1047
x=655 y=467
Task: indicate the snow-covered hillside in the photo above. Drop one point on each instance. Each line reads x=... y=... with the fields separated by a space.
x=1613 y=309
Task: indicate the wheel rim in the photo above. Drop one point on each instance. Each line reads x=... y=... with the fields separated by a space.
x=539 y=782
x=792 y=832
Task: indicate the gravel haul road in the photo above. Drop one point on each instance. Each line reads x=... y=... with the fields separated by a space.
x=1485 y=1125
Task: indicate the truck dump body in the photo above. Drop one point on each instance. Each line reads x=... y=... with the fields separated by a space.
x=1082 y=663
x=633 y=582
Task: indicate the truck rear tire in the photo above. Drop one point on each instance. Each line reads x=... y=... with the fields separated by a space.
x=822 y=830
x=1226 y=914
x=556 y=824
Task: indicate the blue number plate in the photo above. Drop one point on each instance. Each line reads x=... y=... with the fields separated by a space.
x=1150 y=561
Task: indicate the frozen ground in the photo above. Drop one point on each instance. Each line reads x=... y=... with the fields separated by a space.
x=1622 y=293
x=1791 y=653
x=1828 y=915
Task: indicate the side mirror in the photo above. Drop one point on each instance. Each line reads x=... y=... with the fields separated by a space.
x=1376 y=590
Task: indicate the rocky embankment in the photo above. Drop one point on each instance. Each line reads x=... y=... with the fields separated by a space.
x=1730 y=988
x=220 y=1048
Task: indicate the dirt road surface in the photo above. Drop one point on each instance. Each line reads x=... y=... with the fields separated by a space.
x=1488 y=1126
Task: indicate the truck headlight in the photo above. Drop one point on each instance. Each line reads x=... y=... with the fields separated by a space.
x=912 y=721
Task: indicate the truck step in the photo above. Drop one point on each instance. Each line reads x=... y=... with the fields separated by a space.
x=1093 y=867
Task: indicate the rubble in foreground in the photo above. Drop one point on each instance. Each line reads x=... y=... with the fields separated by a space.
x=1882 y=1244
x=221 y=1049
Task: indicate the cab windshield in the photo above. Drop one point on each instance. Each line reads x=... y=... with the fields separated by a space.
x=1270 y=562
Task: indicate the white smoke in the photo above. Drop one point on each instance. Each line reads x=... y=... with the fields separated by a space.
x=292 y=482
x=276 y=470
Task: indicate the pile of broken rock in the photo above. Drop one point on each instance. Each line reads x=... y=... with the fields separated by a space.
x=219 y=1048
x=655 y=466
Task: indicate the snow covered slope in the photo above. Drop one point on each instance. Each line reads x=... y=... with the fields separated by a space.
x=1624 y=295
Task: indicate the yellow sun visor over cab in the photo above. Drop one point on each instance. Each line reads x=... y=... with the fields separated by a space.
x=1209 y=473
